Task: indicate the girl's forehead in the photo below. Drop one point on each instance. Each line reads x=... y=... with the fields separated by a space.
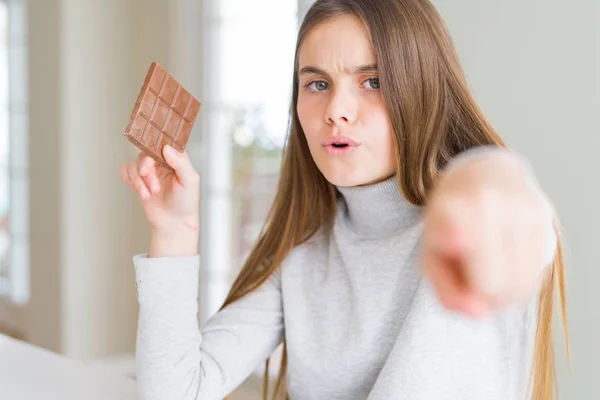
x=342 y=40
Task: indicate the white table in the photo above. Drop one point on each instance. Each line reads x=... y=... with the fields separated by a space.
x=31 y=373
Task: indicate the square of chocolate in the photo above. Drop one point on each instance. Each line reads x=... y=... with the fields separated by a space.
x=164 y=113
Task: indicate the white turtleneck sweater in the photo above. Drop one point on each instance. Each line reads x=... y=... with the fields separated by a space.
x=359 y=320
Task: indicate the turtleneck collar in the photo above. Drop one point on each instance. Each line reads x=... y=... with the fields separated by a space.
x=378 y=209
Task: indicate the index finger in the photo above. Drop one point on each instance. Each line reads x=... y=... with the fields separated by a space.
x=145 y=163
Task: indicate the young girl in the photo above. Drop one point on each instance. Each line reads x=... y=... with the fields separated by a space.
x=408 y=254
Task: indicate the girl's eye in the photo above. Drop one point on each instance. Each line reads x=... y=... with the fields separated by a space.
x=371 y=84
x=318 y=86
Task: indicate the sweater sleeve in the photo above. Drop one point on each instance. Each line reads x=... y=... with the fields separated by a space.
x=177 y=360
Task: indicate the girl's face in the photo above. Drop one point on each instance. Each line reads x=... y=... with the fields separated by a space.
x=340 y=106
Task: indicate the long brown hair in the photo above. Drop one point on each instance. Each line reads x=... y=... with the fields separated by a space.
x=434 y=118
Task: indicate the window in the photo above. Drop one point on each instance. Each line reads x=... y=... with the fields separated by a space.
x=248 y=51
x=258 y=39
x=14 y=225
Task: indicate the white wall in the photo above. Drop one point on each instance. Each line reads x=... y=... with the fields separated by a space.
x=96 y=238
x=534 y=67
x=87 y=64
x=41 y=320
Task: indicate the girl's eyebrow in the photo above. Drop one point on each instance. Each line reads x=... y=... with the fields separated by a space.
x=309 y=69
x=361 y=69
x=312 y=70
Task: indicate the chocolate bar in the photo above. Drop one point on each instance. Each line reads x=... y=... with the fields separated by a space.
x=164 y=113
